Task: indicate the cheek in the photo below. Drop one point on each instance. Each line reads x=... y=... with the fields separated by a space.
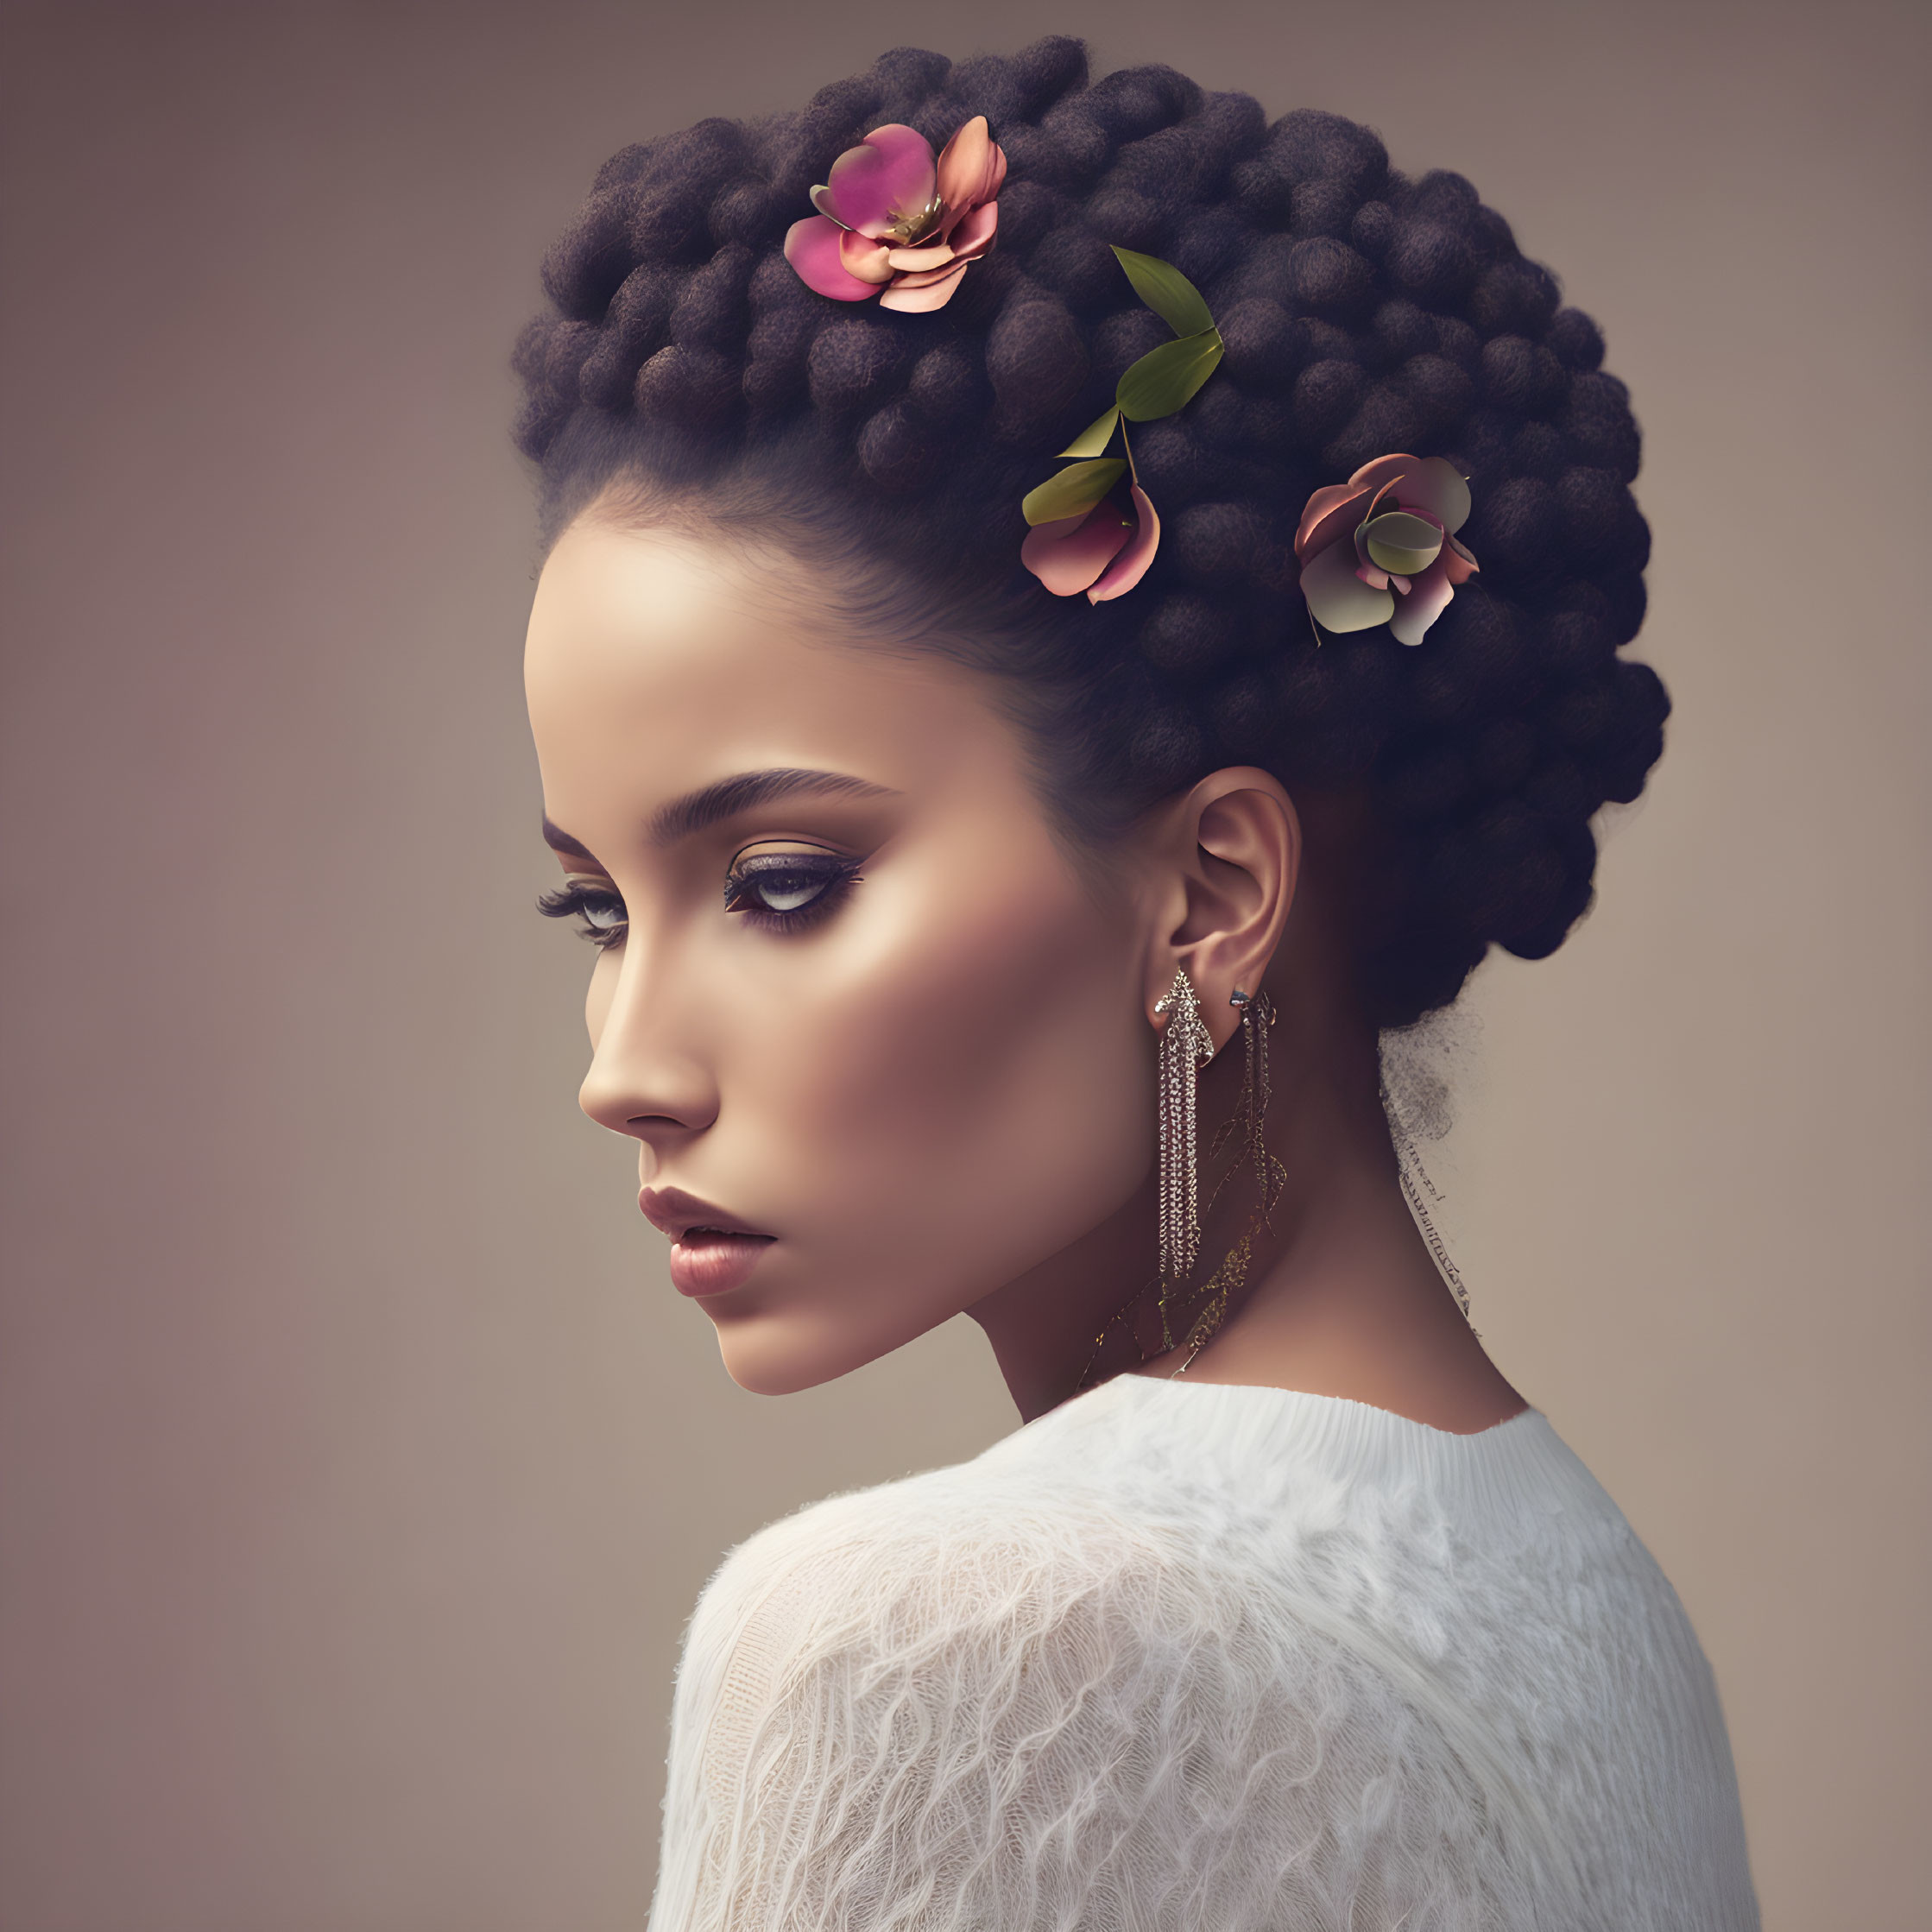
x=981 y=1076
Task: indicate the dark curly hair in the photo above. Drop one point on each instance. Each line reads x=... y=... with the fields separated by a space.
x=1363 y=312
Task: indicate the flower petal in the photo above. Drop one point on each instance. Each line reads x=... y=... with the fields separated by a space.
x=974 y=236
x=887 y=177
x=1327 y=517
x=869 y=261
x=1382 y=470
x=927 y=278
x=1423 y=604
x=918 y=294
x=813 y=247
x=1066 y=556
x=914 y=261
x=1130 y=565
x=964 y=170
x=1337 y=598
x=1459 y=562
x=995 y=174
x=1436 y=486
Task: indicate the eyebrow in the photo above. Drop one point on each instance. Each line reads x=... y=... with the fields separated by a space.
x=705 y=806
x=740 y=792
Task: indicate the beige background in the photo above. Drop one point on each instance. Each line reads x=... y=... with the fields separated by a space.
x=357 y=1466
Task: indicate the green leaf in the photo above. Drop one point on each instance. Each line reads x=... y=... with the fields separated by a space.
x=1092 y=439
x=1077 y=488
x=1166 y=378
x=1167 y=292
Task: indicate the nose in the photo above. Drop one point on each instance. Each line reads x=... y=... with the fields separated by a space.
x=648 y=1079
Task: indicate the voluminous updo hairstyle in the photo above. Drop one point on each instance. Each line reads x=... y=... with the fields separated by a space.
x=685 y=365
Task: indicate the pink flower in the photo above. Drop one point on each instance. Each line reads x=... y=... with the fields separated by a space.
x=1381 y=547
x=1095 y=550
x=895 y=223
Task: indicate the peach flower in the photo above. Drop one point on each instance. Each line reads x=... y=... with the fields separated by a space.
x=1098 y=550
x=894 y=221
x=1381 y=547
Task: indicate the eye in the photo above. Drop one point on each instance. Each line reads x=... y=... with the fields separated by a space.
x=591 y=897
x=787 y=889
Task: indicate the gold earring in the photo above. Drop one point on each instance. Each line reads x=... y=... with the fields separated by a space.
x=1211 y=1301
x=1256 y=1016
x=1185 y=1047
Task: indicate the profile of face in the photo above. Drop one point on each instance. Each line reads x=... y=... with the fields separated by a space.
x=883 y=1036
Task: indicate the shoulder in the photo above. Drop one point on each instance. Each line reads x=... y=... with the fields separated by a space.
x=917 y=1685
x=987 y=1544
x=1018 y=1597
x=1035 y=1569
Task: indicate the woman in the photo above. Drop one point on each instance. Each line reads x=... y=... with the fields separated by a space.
x=942 y=816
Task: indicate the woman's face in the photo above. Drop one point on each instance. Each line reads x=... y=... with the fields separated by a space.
x=881 y=1040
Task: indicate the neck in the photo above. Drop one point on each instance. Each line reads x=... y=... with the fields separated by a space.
x=1342 y=1295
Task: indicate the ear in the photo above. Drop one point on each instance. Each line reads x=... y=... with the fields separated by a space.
x=1227 y=856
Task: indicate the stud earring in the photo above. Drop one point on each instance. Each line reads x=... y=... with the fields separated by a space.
x=1185 y=1047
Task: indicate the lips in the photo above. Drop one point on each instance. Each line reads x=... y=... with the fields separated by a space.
x=711 y=1250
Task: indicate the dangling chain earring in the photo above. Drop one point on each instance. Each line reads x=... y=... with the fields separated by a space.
x=1250 y=1117
x=1256 y=1016
x=1185 y=1047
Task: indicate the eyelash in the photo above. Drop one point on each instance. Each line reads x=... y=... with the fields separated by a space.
x=834 y=876
x=574 y=899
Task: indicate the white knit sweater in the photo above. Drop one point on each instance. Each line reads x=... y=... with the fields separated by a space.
x=1185 y=1656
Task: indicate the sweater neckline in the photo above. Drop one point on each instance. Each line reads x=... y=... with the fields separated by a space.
x=1264 y=1389
x=1272 y=1441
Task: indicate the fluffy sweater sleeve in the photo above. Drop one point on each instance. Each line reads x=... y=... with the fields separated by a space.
x=978 y=1699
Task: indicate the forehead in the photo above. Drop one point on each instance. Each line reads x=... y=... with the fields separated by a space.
x=659 y=660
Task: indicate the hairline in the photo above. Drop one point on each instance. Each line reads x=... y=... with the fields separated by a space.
x=750 y=511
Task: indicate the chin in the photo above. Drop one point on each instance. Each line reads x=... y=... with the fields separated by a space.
x=781 y=1353
x=764 y=1371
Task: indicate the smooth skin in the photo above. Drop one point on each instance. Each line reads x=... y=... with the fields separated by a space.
x=924 y=1062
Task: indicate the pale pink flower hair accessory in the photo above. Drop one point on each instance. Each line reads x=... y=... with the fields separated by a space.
x=1381 y=548
x=1080 y=538
x=897 y=222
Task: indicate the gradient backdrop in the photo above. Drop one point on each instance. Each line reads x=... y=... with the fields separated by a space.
x=358 y=1466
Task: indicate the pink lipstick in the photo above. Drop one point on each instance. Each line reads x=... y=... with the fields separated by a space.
x=707 y=1264
x=711 y=1250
